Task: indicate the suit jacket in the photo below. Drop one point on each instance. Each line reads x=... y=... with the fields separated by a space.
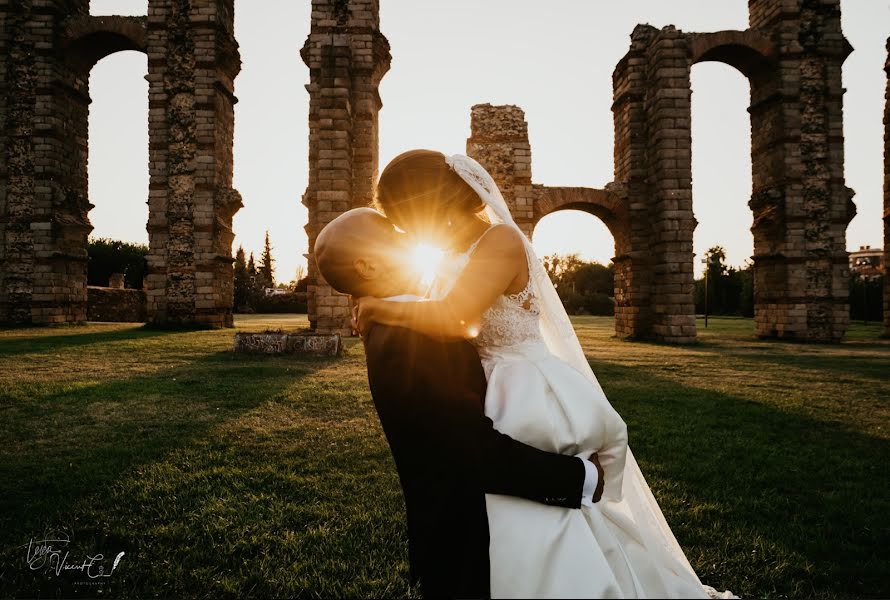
x=429 y=396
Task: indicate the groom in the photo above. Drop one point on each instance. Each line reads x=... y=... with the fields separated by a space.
x=429 y=396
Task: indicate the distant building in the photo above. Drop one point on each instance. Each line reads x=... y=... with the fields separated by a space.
x=867 y=262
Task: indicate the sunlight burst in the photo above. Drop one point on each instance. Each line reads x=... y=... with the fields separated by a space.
x=425 y=259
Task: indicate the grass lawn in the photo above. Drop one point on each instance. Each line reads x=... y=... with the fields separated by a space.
x=228 y=476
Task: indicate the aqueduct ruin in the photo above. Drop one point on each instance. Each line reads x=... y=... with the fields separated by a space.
x=47 y=49
x=792 y=55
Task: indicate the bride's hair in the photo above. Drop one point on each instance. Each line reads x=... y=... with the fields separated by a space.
x=418 y=187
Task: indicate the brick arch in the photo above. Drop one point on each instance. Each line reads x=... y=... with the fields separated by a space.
x=751 y=52
x=86 y=40
x=800 y=204
x=44 y=221
x=603 y=204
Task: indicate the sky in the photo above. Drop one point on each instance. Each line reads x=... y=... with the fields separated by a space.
x=553 y=58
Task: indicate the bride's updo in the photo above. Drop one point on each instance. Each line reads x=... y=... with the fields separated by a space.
x=418 y=190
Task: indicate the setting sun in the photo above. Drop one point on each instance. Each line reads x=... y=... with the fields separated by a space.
x=425 y=259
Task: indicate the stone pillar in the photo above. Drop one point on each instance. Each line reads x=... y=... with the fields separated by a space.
x=347 y=57
x=668 y=110
x=193 y=60
x=43 y=186
x=800 y=202
x=887 y=197
x=633 y=276
x=499 y=142
x=654 y=289
x=792 y=57
x=47 y=50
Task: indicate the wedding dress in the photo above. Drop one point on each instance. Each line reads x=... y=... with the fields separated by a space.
x=542 y=392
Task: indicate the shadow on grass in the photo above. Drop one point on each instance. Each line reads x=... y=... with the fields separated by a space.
x=12 y=346
x=69 y=443
x=766 y=502
x=232 y=476
x=871 y=359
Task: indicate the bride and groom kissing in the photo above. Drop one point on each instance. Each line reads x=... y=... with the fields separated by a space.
x=517 y=476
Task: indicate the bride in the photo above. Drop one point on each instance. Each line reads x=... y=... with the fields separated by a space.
x=541 y=391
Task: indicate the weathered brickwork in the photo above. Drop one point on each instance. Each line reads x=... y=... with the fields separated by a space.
x=347 y=57
x=792 y=56
x=499 y=141
x=887 y=196
x=47 y=49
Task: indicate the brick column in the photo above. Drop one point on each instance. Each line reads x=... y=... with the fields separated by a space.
x=668 y=110
x=347 y=57
x=633 y=277
x=193 y=60
x=800 y=202
x=499 y=142
x=43 y=185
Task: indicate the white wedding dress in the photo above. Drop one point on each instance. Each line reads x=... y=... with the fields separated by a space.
x=542 y=392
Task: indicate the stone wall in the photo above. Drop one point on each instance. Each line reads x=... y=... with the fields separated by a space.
x=44 y=202
x=347 y=57
x=117 y=305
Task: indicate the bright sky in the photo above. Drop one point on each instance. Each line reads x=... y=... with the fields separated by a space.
x=554 y=59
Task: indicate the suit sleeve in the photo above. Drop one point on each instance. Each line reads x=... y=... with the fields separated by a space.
x=440 y=386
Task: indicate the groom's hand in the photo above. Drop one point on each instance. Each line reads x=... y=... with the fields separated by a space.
x=598 y=493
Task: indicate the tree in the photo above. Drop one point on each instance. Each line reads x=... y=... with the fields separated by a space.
x=584 y=287
x=866 y=297
x=594 y=278
x=562 y=268
x=266 y=269
x=255 y=287
x=746 y=299
x=730 y=290
x=107 y=256
x=297 y=284
x=242 y=281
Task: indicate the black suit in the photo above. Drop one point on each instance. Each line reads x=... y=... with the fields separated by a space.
x=429 y=395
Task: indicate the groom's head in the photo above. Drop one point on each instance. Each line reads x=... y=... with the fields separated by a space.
x=360 y=253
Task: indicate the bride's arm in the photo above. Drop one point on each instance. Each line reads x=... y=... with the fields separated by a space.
x=494 y=265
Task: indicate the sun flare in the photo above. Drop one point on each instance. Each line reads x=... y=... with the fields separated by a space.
x=425 y=259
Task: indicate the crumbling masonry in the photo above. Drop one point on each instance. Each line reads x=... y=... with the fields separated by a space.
x=347 y=57
x=47 y=49
x=792 y=55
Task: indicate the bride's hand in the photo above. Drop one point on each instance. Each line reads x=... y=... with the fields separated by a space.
x=363 y=312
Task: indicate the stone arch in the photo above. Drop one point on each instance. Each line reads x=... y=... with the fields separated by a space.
x=193 y=61
x=800 y=204
x=602 y=204
x=751 y=52
x=86 y=40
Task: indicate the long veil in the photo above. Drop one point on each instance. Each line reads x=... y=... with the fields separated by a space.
x=563 y=342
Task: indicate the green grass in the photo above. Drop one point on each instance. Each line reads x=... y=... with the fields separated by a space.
x=228 y=476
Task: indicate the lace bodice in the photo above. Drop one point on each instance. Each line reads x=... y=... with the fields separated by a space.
x=513 y=318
